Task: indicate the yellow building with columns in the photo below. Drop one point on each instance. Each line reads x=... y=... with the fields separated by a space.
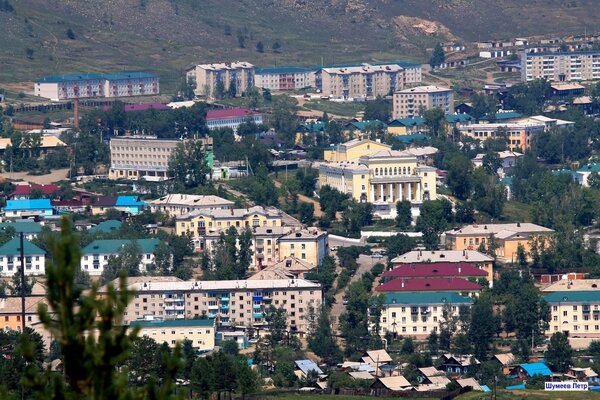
x=353 y=150
x=382 y=178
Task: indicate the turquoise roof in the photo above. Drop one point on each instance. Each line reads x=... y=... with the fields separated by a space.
x=94 y=76
x=502 y=116
x=33 y=204
x=538 y=368
x=13 y=246
x=25 y=226
x=590 y=168
x=507 y=180
x=576 y=296
x=112 y=246
x=188 y=323
x=412 y=121
x=316 y=127
x=107 y=226
x=418 y=298
x=415 y=137
x=362 y=125
x=129 y=201
x=457 y=118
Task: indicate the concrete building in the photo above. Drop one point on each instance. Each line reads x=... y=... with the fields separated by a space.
x=519 y=136
x=417 y=257
x=353 y=149
x=146 y=157
x=10 y=258
x=412 y=102
x=181 y=204
x=508 y=238
x=575 y=313
x=95 y=256
x=361 y=81
x=310 y=245
x=561 y=66
x=201 y=332
x=19 y=209
x=78 y=86
x=382 y=178
x=417 y=315
x=235 y=302
x=231 y=118
x=206 y=77
x=285 y=78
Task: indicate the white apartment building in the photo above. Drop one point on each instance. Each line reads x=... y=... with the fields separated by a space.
x=201 y=332
x=285 y=78
x=145 y=157
x=362 y=81
x=561 y=66
x=574 y=308
x=78 y=86
x=95 y=255
x=181 y=204
x=234 y=302
x=206 y=76
x=412 y=102
x=10 y=258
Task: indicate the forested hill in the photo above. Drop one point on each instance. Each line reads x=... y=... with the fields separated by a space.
x=56 y=36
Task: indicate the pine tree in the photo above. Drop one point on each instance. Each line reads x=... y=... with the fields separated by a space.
x=322 y=342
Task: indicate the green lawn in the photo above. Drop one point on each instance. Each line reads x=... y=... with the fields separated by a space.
x=343 y=109
x=515 y=211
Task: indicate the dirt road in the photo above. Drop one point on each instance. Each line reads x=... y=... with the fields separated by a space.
x=52 y=177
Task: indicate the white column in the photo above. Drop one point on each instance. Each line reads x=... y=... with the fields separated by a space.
x=391 y=199
x=409 y=191
x=381 y=185
x=372 y=194
x=419 y=192
x=401 y=191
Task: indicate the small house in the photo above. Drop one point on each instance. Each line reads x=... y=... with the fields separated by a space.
x=457 y=365
x=525 y=371
x=583 y=375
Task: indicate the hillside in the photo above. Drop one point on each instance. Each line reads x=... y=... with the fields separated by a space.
x=166 y=35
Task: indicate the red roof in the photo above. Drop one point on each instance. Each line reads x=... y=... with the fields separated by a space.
x=432 y=270
x=428 y=285
x=25 y=190
x=230 y=113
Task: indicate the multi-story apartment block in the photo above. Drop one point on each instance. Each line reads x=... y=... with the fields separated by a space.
x=285 y=78
x=201 y=332
x=561 y=66
x=95 y=255
x=418 y=315
x=181 y=204
x=231 y=118
x=77 y=86
x=382 y=178
x=361 y=81
x=235 y=302
x=10 y=258
x=507 y=237
x=205 y=77
x=413 y=101
x=146 y=157
x=310 y=245
x=443 y=257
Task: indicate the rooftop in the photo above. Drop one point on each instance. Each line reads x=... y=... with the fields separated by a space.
x=538 y=368
x=499 y=230
x=308 y=365
x=33 y=204
x=432 y=270
x=107 y=226
x=230 y=113
x=26 y=226
x=192 y=200
x=96 y=77
x=13 y=246
x=429 y=285
x=283 y=70
x=425 y=89
x=575 y=296
x=113 y=246
x=27 y=188
x=426 y=298
x=437 y=256
x=234 y=213
x=225 y=66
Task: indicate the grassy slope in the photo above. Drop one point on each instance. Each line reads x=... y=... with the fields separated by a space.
x=166 y=35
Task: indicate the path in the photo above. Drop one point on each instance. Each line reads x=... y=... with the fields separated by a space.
x=54 y=176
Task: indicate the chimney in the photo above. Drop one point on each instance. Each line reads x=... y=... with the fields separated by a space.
x=518 y=224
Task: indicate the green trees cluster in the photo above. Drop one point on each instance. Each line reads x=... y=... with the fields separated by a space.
x=379 y=109
x=231 y=256
x=188 y=164
x=322 y=341
x=437 y=57
x=436 y=216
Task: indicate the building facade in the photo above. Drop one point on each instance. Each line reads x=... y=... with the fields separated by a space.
x=201 y=332
x=181 y=204
x=575 y=312
x=146 y=157
x=95 y=256
x=561 y=66
x=10 y=258
x=362 y=81
x=412 y=102
x=207 y=77
x=310 y=245
x=232 y=118
x=285 y=78
x=353 y=150
x=78 y=86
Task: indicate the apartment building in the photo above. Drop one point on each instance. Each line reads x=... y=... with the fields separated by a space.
x=561 y=66
x=417 y=315
x=361 y=81
x=508 y=238
x=206 y=77
x=381 y=178
x=146 y=157
x=201 y=332
x=285 y=78
x=416 y=258
x=177 y=204
x=95 y=255
x=234 y=302
x=231 y=118
x=518 y=135
x=78 y=86
x=413 y=101
x=10 y=258
x=310 y=245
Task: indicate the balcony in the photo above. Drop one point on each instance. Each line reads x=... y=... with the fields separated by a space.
x=256 y=306
x=212 y=315
x=213 y=307
x=225 y=299
x=257 y=315
x=257 y=298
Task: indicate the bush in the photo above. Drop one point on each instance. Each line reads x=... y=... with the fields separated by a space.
x=343 y=279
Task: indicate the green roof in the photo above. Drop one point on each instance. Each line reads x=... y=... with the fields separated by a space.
x=13 y=246
x=174 y=323
x=501 y=116
x=107 y=226
x=113 y=246
x=590 y=168
x=454 y=118
x=25 y=226
x=426 y=298
x=576 y=296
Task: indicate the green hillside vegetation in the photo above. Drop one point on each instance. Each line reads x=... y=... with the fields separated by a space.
x=61 y=36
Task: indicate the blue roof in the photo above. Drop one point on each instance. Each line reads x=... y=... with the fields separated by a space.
x=576 y=296
x=107 y=226
x=412 y=121
x=307 y=365
x=422 y=298
x=538 y=368
x=113 y=246
x=129 y=201
x=520 y=386
x=590 y=168
x=13 y=246
x=362 y=125
x=316 y=127
x=25 y=226
x=33 y=204
x=415 y=137
x=501 y=116
x=486 y=388
x=95 y=76
x=454 y=118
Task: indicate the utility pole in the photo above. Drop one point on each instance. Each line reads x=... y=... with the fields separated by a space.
x=22 y=283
